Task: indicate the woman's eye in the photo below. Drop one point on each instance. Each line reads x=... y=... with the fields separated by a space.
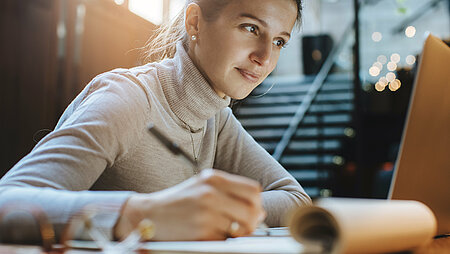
x=251 y=28
x=279 y=43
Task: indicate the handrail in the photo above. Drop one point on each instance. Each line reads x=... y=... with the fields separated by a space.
x=310 y=96
x=415 y=16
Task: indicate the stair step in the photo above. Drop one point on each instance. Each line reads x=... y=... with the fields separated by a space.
x=323 y=145
x=291 y=109
x=313 y=192
x=313 y=146
x=266 y=133
x=324 y=131
x=301 y=133
x=269 y=146
x=297 y=99
x=335 y=77
x=285 y=120
x=296 y=88
x=309 y=175
x=266 y=121
x=306 y=159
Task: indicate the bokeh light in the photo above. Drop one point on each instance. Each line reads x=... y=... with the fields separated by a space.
x=378 y=65
x=383 y=81
x=410 y=59
x=390 y=76
x=395 y=58
x=379 y=87
x=410 y=31
x=382 y=59
x=377 y=36
x=338 y=160
x=374 y=71
x=394 y=85
x=391 y=66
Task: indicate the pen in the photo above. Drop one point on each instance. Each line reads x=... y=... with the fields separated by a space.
x=172 y=146
x=176 y=150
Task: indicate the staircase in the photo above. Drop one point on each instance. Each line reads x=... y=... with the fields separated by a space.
x=314 y=153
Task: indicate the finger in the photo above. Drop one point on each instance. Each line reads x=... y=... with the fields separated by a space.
x=230 y=184
x=223 y=224
x=241 y=187
x=214 y=226
x=235 y=210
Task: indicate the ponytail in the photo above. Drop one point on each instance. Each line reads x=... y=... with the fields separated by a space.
x=162 y=44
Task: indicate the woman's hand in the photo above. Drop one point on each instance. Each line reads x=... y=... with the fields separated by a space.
x=201 y=208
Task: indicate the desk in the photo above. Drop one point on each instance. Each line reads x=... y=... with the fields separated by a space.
x=437 y=246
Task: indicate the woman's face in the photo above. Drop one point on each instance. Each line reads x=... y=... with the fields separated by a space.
x=239 y=49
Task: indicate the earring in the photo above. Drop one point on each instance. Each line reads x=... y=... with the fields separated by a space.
x=193 y=37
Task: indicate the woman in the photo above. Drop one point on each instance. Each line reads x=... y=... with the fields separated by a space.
x=224 y=49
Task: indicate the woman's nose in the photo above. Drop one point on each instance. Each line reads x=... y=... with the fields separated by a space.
x=262 y=53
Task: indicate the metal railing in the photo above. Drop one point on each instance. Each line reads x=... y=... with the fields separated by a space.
x=424 y=9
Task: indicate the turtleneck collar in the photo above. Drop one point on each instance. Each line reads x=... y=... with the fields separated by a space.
x=188 y=93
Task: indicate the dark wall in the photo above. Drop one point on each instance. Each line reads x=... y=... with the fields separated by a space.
x=42 y=70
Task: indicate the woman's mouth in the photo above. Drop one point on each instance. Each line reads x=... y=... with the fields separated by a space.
x=251 y=77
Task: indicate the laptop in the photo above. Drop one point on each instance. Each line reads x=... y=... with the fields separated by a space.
x=422 y=170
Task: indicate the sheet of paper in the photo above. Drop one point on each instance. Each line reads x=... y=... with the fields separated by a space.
x=247 y=245
x=242 y=245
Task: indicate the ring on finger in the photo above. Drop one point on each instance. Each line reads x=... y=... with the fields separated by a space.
x=234 y=228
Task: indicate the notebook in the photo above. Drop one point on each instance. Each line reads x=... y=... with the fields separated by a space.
x=423 y=164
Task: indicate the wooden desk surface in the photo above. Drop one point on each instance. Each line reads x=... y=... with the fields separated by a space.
x=437 y=246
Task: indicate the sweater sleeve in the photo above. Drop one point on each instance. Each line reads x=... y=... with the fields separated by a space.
x=238 y=153
x=97 y=129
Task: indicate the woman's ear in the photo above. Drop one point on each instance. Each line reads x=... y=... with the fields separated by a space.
x=192 y=21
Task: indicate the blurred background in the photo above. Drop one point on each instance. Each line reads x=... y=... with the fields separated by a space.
x=332 y=112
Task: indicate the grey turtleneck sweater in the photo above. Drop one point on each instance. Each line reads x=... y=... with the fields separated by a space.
x=100 y=151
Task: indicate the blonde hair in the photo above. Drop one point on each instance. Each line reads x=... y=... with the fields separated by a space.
x=162 y=44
